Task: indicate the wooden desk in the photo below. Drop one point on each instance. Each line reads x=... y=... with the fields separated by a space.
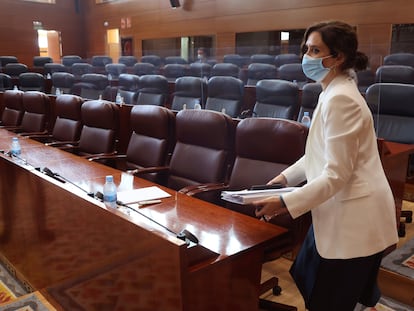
x=394 y=158
x=82 y=256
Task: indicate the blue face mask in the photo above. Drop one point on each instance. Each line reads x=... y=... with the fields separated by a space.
x=313 y=68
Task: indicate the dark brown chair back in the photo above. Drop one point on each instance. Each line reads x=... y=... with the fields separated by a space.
x=265 y=147
x=152 y=138
x=203 y=149
x=13 y=110
x=100 y=124
x=37 y=107
x=68 y=122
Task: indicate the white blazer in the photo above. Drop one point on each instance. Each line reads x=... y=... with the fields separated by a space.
x=352 y=206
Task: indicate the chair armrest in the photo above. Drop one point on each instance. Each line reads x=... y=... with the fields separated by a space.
x=40 y=137
x=194 y=190
x=99 y=156
x=63 y=144
x=27 y=134
x=11 y=128
x=146 y=170
x=105 y=156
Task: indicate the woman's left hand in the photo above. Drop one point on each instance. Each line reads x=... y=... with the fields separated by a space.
x=269 y=208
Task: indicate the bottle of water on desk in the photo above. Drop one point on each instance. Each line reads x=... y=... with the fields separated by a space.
x=109 y=192
x=118 y=99
x=15 y=148
x=306 y=120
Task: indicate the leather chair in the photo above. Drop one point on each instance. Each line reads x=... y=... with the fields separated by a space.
x=40 y=61
x=36 y=114
x=32 y=81
x=4 y=60
x=262 y=59
x=309 y=98
x=79 y=69
x=226 y=70
x=128 y=61
x=201 y=70
x=257 y=162
x=15 y=69
x=114 y=70
x=260 y=71
x=293 y=73
x=151 y=143
x=203 y=151
x=225 y=94
x=392 y=107
x=406 y=59
x=141 y=69
x=6 y=82
x=63 y=81
x=276 y=99
x=235 y=59
x=288 y=58
x=175 y=60
x=100 y=120
x=365 y=78
x=395 y=74
x=189 y=91
x=13 y=109
x=99 y=62
x=174 y=71
x=69 y=60
x=67 y=124
x=128 y=85
x=51 y=68
x=91 y=86
x=152 y=59
x=153 y=90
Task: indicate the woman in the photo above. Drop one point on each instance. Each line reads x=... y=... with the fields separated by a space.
x=353 y=212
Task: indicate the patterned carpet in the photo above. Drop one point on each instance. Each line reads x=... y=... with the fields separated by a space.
x=10 y=288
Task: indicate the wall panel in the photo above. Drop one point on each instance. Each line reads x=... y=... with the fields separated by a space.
x=84 y=33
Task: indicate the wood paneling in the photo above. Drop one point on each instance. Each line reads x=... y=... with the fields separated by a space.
x=18 y=37
x=84 y=33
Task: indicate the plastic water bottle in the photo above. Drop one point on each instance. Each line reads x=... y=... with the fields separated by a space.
x=197 y=106
x=15 y=148
x=109 y=192
x=58 y=92
x=118 y=99
x=15 y=88
x=306 y=120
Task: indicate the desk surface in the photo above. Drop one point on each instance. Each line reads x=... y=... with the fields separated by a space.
x=57 y=237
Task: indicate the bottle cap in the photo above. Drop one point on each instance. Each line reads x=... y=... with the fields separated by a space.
x=109 y=178
x=15 y=138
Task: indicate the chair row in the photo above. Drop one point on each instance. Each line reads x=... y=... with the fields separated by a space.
x=272 y=98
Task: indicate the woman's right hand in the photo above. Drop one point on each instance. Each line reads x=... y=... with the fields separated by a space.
x=279 y=179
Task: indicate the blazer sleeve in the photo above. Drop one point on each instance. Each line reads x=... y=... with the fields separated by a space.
x=342 y=123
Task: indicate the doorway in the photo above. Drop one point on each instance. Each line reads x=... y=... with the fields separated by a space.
x=113 y=44
x=50 y=44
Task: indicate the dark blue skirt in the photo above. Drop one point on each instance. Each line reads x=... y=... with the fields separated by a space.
x=335 y=284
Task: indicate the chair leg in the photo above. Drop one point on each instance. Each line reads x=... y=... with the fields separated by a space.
x=273 y=284
x=408 y=215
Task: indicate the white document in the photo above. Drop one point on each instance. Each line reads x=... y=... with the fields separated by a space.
x=249 y=196
x=141 y=195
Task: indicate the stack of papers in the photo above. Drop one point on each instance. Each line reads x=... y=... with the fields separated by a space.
x=141 y=195
x=249 y=196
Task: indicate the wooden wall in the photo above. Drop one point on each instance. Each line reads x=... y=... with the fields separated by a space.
x=84 y=33
x=18 y=37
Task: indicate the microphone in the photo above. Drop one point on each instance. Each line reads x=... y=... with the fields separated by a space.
x=184 y=234
x=62 y=179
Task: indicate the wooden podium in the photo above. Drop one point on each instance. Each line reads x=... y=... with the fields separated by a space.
x=82 y=256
